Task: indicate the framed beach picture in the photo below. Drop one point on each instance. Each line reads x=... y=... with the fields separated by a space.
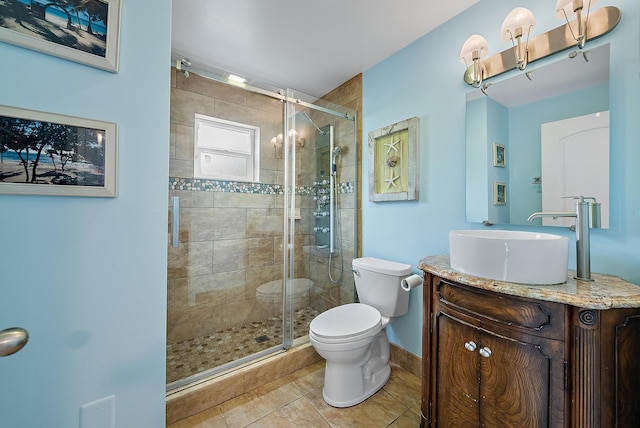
x=51 y=154
x=499 y=155
x=86 y=31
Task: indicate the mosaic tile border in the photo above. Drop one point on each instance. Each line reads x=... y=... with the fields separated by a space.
x=202 y=185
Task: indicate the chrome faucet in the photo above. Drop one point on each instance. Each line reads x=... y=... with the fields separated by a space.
x=586 y=215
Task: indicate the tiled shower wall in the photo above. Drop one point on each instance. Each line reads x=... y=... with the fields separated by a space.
x=231 y=233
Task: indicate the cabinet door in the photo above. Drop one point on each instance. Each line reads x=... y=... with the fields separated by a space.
x=486 y=379
x=457 y=373
x=521 y=381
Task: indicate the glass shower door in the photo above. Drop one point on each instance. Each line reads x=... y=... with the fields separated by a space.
x=242 y=282
x=225 y=272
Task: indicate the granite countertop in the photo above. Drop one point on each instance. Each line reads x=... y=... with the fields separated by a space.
x=604 y=292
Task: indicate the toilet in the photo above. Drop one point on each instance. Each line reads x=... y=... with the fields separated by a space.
x=269 y=294
x=352 y=338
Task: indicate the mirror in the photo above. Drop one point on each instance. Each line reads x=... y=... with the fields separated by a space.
x=510 y=172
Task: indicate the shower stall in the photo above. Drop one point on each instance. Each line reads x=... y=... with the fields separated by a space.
x=263 y=211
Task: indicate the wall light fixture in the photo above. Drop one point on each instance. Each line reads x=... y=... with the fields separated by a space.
x=472 y=51
x=278 y=142
x=594 y=25
x=519 y=21
x=567 y=8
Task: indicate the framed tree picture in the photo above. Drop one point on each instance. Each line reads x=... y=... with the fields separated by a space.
x=51 y=154
x=86 y=31
x=393 y=162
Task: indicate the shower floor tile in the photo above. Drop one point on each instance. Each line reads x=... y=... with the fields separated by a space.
x=203 y=353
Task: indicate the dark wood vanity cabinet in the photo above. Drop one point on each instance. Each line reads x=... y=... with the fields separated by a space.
x=495 y=360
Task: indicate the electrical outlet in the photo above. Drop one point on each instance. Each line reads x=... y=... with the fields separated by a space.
x=99 y=414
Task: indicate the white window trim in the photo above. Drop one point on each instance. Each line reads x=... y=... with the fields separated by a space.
x=252 y=158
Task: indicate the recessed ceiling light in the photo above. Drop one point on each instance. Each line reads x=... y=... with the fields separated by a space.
x=237 y=79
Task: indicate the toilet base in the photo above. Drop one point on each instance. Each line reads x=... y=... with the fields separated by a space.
x=347 y=384
x=371 y=388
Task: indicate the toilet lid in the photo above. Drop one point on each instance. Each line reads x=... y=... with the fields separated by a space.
x=346 y=322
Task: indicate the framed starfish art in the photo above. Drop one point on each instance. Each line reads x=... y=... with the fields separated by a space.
x=393 y=162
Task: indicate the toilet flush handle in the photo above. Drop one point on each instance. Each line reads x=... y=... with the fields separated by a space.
x=356 y=271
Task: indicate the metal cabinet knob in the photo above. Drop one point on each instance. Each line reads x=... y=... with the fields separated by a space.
x=485 y=352
x=12 y=340
x=470 y=346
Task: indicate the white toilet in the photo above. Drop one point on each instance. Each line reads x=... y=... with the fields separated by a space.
x=352 y=338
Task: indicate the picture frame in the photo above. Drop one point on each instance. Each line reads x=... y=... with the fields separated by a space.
x=499 y=155
x=393 y=162
x=88 y=34
x=51 y=154
x=499 y=193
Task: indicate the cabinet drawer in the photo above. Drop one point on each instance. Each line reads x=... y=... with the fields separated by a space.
x=546 y=319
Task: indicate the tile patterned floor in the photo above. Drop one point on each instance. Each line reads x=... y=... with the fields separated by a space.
x=296 y=401
x=194 y=356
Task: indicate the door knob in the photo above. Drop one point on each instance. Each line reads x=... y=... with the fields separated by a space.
x=12 y=340
x=485 y=352
x=470 y=346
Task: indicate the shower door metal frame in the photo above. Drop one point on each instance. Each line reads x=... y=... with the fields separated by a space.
x=288 y=270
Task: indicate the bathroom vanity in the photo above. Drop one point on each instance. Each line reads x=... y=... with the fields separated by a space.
x=499 y=354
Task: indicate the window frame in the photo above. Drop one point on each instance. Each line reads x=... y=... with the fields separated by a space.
x=252 y=158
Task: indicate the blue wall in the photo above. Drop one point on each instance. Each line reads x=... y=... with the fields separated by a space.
x=425 y=80
x=87 y=276
x=477 y=202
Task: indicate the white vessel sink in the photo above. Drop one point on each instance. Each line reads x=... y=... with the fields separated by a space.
x=512 y=256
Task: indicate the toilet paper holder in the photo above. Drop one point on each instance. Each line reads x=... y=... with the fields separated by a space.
x=411 y=282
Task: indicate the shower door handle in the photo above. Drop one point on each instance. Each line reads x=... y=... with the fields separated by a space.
x=175 y=221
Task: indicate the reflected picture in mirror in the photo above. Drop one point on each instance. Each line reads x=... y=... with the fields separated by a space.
x=566 y=101
x=499 y=155
x=499 y=193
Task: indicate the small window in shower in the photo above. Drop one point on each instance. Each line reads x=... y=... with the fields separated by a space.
x=226 y=150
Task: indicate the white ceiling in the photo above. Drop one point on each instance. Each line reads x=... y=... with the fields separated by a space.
x=309 y=46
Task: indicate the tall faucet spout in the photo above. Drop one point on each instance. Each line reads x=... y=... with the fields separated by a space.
x=552 y=214
x=583 y=250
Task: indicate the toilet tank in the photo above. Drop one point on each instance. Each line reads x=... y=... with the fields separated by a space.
x=378 y=284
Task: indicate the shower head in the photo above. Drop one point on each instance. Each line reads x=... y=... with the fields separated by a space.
x=313 y=123
x=337 y=150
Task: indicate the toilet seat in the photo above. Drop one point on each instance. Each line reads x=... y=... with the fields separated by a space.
x=346 y=323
